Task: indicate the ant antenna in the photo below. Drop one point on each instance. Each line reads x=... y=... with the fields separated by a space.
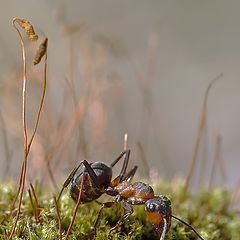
x=125 y=141
x=188 y=225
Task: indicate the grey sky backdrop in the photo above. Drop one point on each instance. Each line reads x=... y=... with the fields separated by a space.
x=196 y=41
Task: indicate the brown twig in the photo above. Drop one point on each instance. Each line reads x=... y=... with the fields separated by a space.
x=202 y=124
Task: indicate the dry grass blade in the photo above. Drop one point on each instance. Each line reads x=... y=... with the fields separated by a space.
x=202 y=125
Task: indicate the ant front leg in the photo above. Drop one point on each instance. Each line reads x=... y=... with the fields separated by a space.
x=68 y=180
x=71 y=176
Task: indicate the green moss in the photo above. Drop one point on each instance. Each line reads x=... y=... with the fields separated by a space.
x=209 y=212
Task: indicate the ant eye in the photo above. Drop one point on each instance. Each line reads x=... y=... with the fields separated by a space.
x=151 y=207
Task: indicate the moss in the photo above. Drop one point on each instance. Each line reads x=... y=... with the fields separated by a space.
x=209 y=212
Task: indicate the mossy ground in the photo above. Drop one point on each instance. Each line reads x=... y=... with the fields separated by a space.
x=209 y=212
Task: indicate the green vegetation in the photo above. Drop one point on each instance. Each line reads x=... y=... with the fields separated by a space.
x=208 y=212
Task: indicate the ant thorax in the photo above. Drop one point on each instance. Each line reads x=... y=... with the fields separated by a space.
x=135 y=193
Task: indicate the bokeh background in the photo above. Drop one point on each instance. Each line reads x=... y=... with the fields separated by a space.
x=137 y=67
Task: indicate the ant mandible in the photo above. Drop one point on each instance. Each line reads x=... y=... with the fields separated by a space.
x=91 y=180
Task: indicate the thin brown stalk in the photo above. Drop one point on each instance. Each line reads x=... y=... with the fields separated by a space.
x=22 y=177
x=202 y=124
x=143 y=158
x=81 y=141
x=41 y=103
x=218 y=162
x=33 y=206
x=50 y=172
x=125 y=141
x=236 y=194
x=6 y=145
x=59 y=218
x=27 y=146
x=76 y=208
x=36 y=202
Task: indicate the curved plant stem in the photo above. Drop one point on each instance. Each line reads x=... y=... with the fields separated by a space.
x=202 y=125
x=27 y=145
x=23 y=170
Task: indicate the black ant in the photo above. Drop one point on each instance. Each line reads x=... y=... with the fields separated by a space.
x=97 y=178
x=91 y=180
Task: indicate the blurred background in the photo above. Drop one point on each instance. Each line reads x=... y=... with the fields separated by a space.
x=116 y=67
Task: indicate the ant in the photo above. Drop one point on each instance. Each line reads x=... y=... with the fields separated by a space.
x=88 y=181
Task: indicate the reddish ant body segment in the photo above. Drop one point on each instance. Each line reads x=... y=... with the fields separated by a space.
x=91 y=180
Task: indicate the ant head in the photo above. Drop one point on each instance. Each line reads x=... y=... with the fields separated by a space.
x=159 y=212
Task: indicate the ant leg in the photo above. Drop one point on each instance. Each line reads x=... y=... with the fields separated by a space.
x=120 y=177
x=129 y=212
x=129 y=176
x=88 y=169
x=125 y=162
x=91 y=173
x=104 y=205
x=68 y=180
